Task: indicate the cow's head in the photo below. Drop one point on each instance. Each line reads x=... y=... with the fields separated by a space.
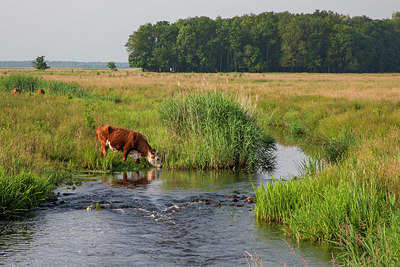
x=154 y=159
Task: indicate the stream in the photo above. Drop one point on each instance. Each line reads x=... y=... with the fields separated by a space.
x=156 y=218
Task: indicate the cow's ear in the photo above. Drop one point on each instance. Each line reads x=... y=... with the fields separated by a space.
x=109 y=129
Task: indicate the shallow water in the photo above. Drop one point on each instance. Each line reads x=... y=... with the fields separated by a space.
x=157 y=218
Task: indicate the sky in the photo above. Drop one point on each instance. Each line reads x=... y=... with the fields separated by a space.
x=97 y=30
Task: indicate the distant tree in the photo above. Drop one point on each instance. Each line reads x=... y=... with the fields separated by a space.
x=140 y=46
x=40 y=64
x=111 y=65
x=164 y=53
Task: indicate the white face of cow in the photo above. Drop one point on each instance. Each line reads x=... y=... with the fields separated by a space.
x=154 y=159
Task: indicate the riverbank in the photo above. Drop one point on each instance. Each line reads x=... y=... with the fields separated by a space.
x=349 y=196
x=349 y=122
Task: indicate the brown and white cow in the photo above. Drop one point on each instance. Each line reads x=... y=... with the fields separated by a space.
x=40 y=92
x=16 y=91
x=129 y=142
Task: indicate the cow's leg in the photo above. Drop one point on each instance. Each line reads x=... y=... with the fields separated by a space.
x=103 y=149
x=103 y=144
x=126 y=152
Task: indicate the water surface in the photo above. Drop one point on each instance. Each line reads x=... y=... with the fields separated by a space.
x=157 y=218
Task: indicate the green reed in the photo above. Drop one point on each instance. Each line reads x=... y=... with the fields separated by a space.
x=19 y=193
x=212 y=131
x=30 y=84
x=27 y=83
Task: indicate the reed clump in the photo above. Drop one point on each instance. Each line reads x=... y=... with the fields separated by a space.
x=212 y=131
x=29 y=83
x=19 y=193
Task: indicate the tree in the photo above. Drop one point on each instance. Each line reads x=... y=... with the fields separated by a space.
x=164 y=52
x=195 y=45
x=111 y=65
x=40 y=64
x=140 y=47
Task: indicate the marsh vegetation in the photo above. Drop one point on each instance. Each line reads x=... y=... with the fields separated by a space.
x=348 y=197
x=212 y=131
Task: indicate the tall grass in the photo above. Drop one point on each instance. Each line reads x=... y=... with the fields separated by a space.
x=62 y=88
x=212 y=131
x=26 y=83
x=351 y=215
x=19 y=193
x=30 y=83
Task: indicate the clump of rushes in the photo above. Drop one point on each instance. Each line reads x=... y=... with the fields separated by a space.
x=212 y=131
x=26 y=83
x=29 y=83
x=20 y=192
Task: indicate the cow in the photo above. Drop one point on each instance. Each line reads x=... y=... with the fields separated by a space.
x=129 y=142
x=40 y=92
x=16 y=91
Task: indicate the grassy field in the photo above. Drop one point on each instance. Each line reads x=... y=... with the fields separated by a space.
x=349 y=123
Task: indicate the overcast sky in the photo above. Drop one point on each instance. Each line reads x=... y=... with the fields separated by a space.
x=97 y=30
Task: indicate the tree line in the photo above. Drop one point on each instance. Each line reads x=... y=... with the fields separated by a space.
x=269 y=42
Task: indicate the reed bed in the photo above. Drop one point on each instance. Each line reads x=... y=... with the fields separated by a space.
x=212 y=131
x=30 y=84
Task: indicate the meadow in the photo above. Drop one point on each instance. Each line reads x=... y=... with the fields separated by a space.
x=348 y=123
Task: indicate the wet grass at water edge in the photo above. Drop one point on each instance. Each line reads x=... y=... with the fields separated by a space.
x=19 y=193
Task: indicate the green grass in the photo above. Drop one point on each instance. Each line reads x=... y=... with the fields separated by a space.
x=348 y=195
x=27 y=83
x=359 y=217
x=30 y=84
x=213 y=131
x=19 y=193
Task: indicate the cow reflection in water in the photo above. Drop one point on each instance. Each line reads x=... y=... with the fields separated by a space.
x=131 y=179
